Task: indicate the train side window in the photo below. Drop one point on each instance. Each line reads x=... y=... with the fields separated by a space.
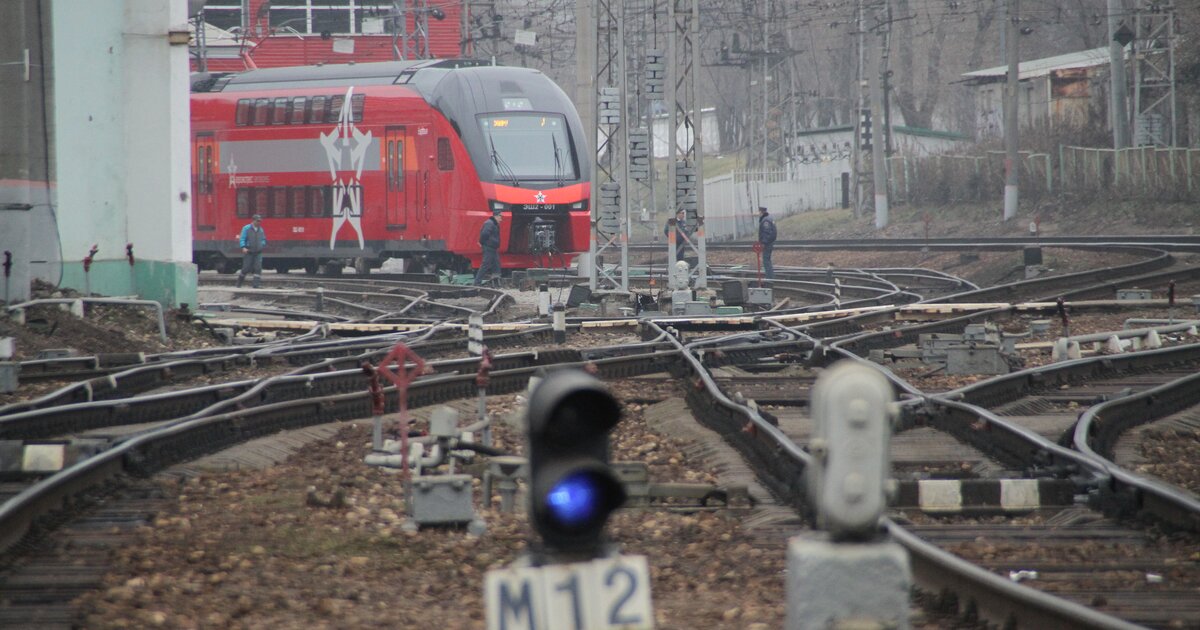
x=244 y=202
x=296 y=114
x=279 y=116
x=262 y=200
x=316 y=201
x=279 y=201
x=262 y=111
x=445 y=155
x=208 y=169
x=396 y=164
x=198 y=168
x=317 y=113
x=243 y=112
x=335 y=108
x=356 y=106
x=330 y=203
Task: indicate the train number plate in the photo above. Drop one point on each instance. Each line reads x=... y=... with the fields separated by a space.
x=606 y=594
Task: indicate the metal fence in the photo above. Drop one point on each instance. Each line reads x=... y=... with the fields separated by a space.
x=731 y=201
x=1171 y=174
x=941 y=179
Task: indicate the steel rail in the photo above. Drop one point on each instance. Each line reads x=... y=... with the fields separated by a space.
x=152 y=451
x=993 y=596
x=1099 y=428
x=993 y=243
x=1055 y=283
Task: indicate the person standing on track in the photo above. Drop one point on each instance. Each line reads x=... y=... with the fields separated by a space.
x=766 y=237
x=489 y=242
x=681 y=237
x=253 y=240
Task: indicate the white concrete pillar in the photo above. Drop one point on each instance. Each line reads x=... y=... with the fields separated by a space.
x=122 y=120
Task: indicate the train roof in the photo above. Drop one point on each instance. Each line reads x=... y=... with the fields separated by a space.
x=418 y=73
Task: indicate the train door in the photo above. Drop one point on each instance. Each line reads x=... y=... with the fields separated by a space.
x=203 y=183
x=395 y=161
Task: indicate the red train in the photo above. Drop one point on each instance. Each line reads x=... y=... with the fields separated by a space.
x=354 y=164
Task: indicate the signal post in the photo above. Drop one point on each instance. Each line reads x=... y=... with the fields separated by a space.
x=573 y=578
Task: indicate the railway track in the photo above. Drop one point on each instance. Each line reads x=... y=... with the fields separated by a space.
x=751 y=388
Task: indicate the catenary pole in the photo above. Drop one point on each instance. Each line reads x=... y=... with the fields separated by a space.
x=1012 y=160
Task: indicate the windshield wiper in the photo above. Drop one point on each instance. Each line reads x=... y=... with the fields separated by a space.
x=558 y=169
x=498 y=162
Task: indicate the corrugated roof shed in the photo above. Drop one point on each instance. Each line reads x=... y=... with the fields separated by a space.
x=1044 y=66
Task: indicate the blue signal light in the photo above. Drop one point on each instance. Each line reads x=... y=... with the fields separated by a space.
x=577 y=500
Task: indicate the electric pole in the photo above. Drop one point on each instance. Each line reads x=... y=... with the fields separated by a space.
x=878 y=163
x=1116 y=64
x=1012 y=160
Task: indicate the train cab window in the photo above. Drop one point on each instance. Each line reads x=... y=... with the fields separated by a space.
x=356 y=106
x=279 y=114
x=317 y=113
x=445 y=155
x=243 y=112
x=245 y=202
x=297 y=114
x=262 y=111
x=335 y=108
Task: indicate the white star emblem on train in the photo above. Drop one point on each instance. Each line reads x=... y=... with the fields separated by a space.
x=541 y=198
x=347 y=194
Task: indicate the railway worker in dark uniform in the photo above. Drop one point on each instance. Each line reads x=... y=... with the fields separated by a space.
x=766 y=237
x=681 y=239
x=489 y=242
x=253 y=240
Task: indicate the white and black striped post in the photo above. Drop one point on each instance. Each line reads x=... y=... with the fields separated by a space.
x=560 y=323
x=475 y=334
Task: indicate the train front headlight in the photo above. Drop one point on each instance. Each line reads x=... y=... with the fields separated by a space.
x=498 y=206
x=580 y=205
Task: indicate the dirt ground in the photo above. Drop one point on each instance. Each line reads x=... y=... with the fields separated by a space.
x=251 y=549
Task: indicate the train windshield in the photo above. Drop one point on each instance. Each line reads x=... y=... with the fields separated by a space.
x=529 y=146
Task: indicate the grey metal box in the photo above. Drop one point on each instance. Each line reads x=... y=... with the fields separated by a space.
x=975 y=359
x=440 y=499
x=760 y=295
x=697 y=308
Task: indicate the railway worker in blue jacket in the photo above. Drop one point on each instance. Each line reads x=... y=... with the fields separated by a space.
x=681 y=234
x=766 y=237
x=489 y=242
x=252 y=241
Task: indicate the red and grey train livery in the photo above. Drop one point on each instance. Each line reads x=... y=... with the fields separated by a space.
x=359 y=163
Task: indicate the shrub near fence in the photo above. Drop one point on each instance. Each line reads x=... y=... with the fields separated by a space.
x=1136 y=173
x=943 y=179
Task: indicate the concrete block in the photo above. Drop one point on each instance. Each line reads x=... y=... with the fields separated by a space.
x=831 y=584
x=1133 y=294
x=697 y=308
x=443 y=422
x=9 y=376
x=8 y=347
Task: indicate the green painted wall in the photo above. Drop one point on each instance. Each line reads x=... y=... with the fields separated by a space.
x=168 y=283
